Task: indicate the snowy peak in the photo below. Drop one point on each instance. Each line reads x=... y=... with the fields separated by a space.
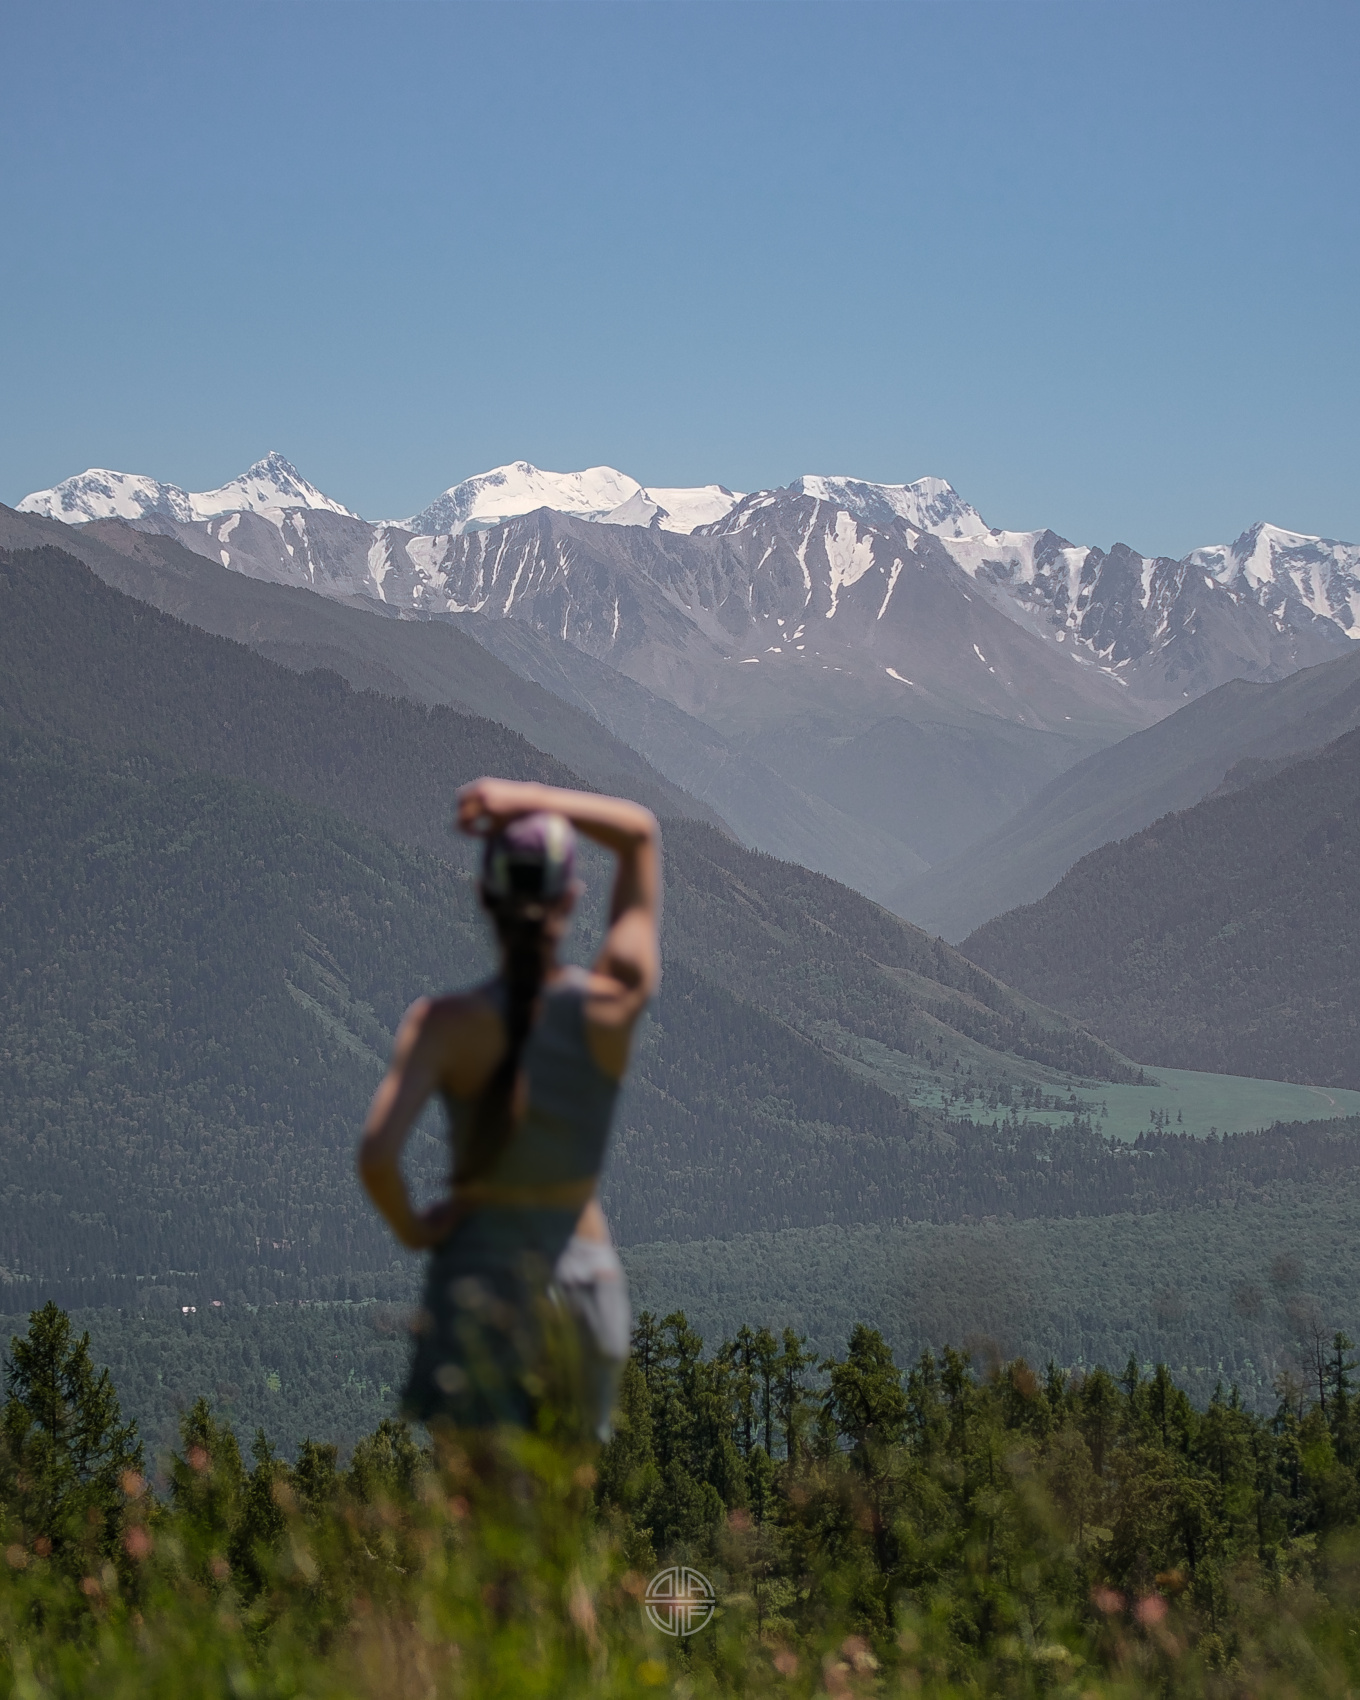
x=1255 y=608
x=929 y=504
x=1289 y=574
x=101 y=494
x=271 y=483
x=509 y=491
x=676 y=509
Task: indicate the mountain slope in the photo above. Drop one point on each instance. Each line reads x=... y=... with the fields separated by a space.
x=133 y=683
x=766 y=810
x=1225 y=937
x=427 y=662
x=595 y=719
x=201 y=980
x=1169 y=766
x=207 y=945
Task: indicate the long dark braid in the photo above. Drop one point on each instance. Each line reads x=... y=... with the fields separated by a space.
x=519 y=927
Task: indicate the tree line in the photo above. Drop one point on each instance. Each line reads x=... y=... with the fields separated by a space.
x=864 y=1527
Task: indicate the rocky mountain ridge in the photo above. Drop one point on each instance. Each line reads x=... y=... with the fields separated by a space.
x=904 y=678
x=1164 y=630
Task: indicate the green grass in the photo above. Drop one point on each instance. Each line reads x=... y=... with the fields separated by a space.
x=1205 y=1103
x=1220 y=1103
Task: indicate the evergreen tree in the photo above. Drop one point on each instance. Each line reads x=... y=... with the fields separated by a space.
x=315 y=1476
x=864 y=1392
x=386 y=1463
x=70 y=1462
x=628 y=1481
x=790 y=1394
x=207 y=1481
x=765 y=1356
x=260 y=1526
x=1341 y=1410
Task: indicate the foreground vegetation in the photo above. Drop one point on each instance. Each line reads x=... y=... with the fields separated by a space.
x=867 y=1532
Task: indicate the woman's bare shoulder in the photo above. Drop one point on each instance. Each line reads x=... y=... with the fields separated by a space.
x=476 y=1003
x=466 y=1034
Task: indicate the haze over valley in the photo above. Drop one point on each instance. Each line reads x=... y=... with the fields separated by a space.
x=889 y=470
x=836 y=695
x=863 y=677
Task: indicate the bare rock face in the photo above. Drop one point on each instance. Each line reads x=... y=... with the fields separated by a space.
x=870 y=660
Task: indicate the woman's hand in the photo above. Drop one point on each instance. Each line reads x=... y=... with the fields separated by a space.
x=487 y=804
x=433 y=1225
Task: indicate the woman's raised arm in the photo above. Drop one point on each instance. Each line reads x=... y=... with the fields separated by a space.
x=631 y=953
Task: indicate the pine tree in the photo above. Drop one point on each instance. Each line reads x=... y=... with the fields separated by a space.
x=1341 y=1410
x=790 y=1395
x=864 y=1393
x=206 y=1483
x=260 y=1527
x=739 y=1353
x=315 y=1476
x=628 y=1481
x=765 y=1356
x=70 y=1460
x=385 y=1463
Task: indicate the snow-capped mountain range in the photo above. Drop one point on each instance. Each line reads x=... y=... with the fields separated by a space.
x=1158 y=629
x=272 y=484
x=865 y=676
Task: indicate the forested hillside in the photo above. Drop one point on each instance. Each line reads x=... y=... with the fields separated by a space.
x=1225 y=937
x=1227 y=1267
x=1218 y=1257
x=433 y=663
x=1173 y=765
x=206 y=946
x=200 y=980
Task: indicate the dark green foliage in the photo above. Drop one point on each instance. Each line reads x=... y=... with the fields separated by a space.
x=65 y=1452
x=944 y=1530
x=864 y=1393
x=1025 y=1502
x=260 y=1522
x=200 y=977
x=207 y=1482
x=1226 y=937
x=1239 y=1293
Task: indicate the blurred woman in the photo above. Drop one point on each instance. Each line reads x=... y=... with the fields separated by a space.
x=529 y=1066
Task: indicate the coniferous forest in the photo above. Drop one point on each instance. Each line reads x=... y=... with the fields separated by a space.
x=223 y=882
x=1223 y=937
x=861 y=1528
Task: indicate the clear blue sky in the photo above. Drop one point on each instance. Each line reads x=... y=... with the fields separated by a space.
x=1094 y=263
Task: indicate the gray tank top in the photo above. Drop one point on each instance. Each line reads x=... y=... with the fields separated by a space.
x=565 y=1129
